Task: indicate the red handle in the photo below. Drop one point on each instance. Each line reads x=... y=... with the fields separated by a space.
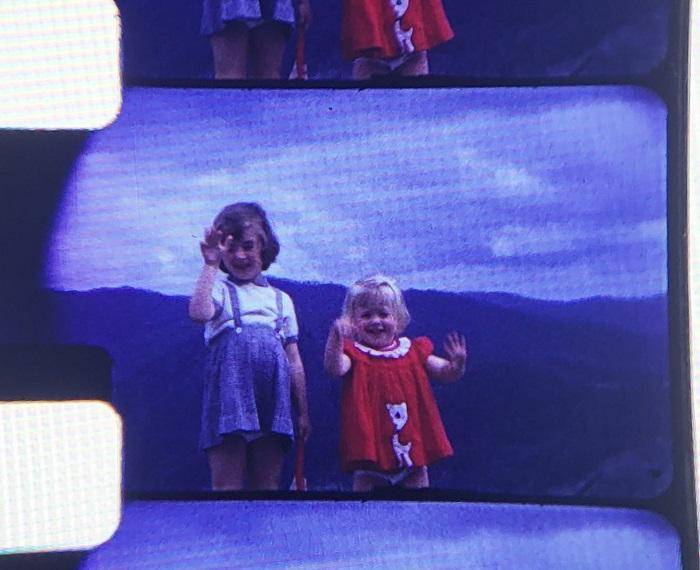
x=301 y=39
x=299 y=466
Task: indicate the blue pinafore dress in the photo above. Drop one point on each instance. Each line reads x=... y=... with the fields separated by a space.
x=247 y=386
x=217 y=13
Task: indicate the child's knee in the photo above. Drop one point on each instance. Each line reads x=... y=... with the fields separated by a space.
x=417 y=478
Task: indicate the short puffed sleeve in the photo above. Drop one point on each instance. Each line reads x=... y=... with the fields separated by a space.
x=290 y=330
x=349 y=349
x=222 y=311
x=423 y=346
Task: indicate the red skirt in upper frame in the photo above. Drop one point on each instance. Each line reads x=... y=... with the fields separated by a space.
x=368 y=27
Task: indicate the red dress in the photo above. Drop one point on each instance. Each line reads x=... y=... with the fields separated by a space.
x=374 y=418
x=369 y=27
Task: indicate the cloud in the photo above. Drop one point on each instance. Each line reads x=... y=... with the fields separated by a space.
x=516 y=180
x=218 y=178
x=472 y=196
x=520 y=240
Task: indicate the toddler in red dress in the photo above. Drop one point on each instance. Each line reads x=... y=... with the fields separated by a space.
x=383 y=37
x=390 y=424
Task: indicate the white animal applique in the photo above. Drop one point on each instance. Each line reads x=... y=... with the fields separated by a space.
x=399 y=416
x=403 y=37
x=402 y=452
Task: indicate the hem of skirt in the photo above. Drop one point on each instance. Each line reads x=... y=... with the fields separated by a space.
x=219 y=440
x=377 y=51
x=215 y=28
x=349 y=466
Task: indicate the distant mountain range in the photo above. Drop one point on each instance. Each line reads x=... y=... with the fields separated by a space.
x=495 y=39
x=560 y=398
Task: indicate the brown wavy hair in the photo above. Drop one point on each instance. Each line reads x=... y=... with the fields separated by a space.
x=235 y=218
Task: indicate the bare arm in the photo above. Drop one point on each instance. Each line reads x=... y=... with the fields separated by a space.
x=299 y=401
x=201 y=304
x=452 y=368
x=201 y=307
x=335 y=362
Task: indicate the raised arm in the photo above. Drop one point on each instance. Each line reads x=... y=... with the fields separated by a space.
x=335 y=362
x=201 y=308
x=452 y=368
x=299 y=401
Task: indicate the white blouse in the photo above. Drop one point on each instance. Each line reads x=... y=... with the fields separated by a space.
x=257 y=303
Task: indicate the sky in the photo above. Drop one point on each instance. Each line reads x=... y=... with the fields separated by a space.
x=552 y=193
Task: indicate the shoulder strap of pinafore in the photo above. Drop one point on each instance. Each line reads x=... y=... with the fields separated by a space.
x=235 y=306
x=279 y=321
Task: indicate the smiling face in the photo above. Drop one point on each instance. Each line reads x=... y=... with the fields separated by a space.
x=374 y=323
x=243 y=257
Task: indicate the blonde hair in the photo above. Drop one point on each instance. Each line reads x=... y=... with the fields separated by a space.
x=377 y=288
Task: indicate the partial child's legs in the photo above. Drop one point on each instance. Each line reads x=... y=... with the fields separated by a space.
x=267 y=43
x=364 y=482
x=227 y=463
x=261 y=460
x=417 y=479
x=367 y=67
x=230 y=50
x=416 y=64
x=265 y=458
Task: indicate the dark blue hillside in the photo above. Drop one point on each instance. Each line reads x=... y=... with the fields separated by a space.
x=556 y=401
x=496 y=39
x=646 y=315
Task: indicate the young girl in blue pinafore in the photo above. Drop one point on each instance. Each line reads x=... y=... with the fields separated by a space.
x=254 y=385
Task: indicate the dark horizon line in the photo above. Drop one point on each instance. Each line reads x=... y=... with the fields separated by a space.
x=474 y=293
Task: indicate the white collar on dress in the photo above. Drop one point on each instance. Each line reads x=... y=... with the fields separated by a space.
x=400 y=350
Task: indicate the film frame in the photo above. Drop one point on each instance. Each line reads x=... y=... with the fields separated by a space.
x=676 y=207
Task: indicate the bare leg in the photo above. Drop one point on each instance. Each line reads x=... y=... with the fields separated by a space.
x=362 y=483
x=267 y=43
x=417 y=479
x=366 y=482
x=230 y=50
x=266 y=456
x=416 y=64
x=367 y=67
x=227 y=463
